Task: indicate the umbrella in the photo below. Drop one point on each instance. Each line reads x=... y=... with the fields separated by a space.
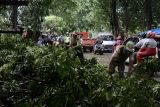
x=157 y=31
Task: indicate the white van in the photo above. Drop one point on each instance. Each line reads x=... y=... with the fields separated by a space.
x=108 y=41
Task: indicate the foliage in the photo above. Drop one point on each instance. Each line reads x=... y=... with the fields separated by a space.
x=148 y=66
x=47 y=76
x=81 y=15
x=54 y=23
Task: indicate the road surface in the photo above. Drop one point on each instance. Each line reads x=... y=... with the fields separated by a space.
x=102 y=59
x=105 y=59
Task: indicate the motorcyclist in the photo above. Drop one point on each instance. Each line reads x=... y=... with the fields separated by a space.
x=157 y=38
x=147 y=46
x=99 y=41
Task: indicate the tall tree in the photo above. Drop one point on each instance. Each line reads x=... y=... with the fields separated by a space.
x=114 y=18
x=148 y=13
x=125 y=4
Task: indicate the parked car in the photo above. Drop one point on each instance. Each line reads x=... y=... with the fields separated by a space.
x=108 y=41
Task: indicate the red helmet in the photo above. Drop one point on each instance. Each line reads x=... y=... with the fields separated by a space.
x=150 y=34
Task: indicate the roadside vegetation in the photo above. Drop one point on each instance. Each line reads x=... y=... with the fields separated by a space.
x=47 y=76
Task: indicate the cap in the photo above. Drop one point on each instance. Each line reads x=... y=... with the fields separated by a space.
x=130 y=46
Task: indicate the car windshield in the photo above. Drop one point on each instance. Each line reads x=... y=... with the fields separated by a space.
x=107 y=37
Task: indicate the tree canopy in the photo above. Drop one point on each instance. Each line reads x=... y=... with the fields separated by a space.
x=128 y=16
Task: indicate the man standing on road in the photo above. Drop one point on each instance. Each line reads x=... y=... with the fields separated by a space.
x=119 y=56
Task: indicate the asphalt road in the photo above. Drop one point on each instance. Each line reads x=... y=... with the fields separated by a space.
x=102 y=59
x=105 y=59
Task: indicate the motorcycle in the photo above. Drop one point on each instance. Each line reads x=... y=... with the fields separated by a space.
x=98 y=48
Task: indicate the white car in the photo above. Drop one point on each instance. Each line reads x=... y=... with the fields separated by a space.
x=108 y=41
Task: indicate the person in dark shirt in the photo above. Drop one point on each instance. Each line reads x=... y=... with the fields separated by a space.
x=119 y=57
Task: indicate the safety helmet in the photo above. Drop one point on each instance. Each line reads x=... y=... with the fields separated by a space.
x=150 y=34
x=130 y=46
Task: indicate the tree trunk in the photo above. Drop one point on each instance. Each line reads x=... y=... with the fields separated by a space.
x=126 y=14
x=36 y=26
x=114 y=19
x=148 y=13
x=14 y=17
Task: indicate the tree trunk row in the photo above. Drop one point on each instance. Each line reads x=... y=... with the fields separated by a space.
x=115 y=21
